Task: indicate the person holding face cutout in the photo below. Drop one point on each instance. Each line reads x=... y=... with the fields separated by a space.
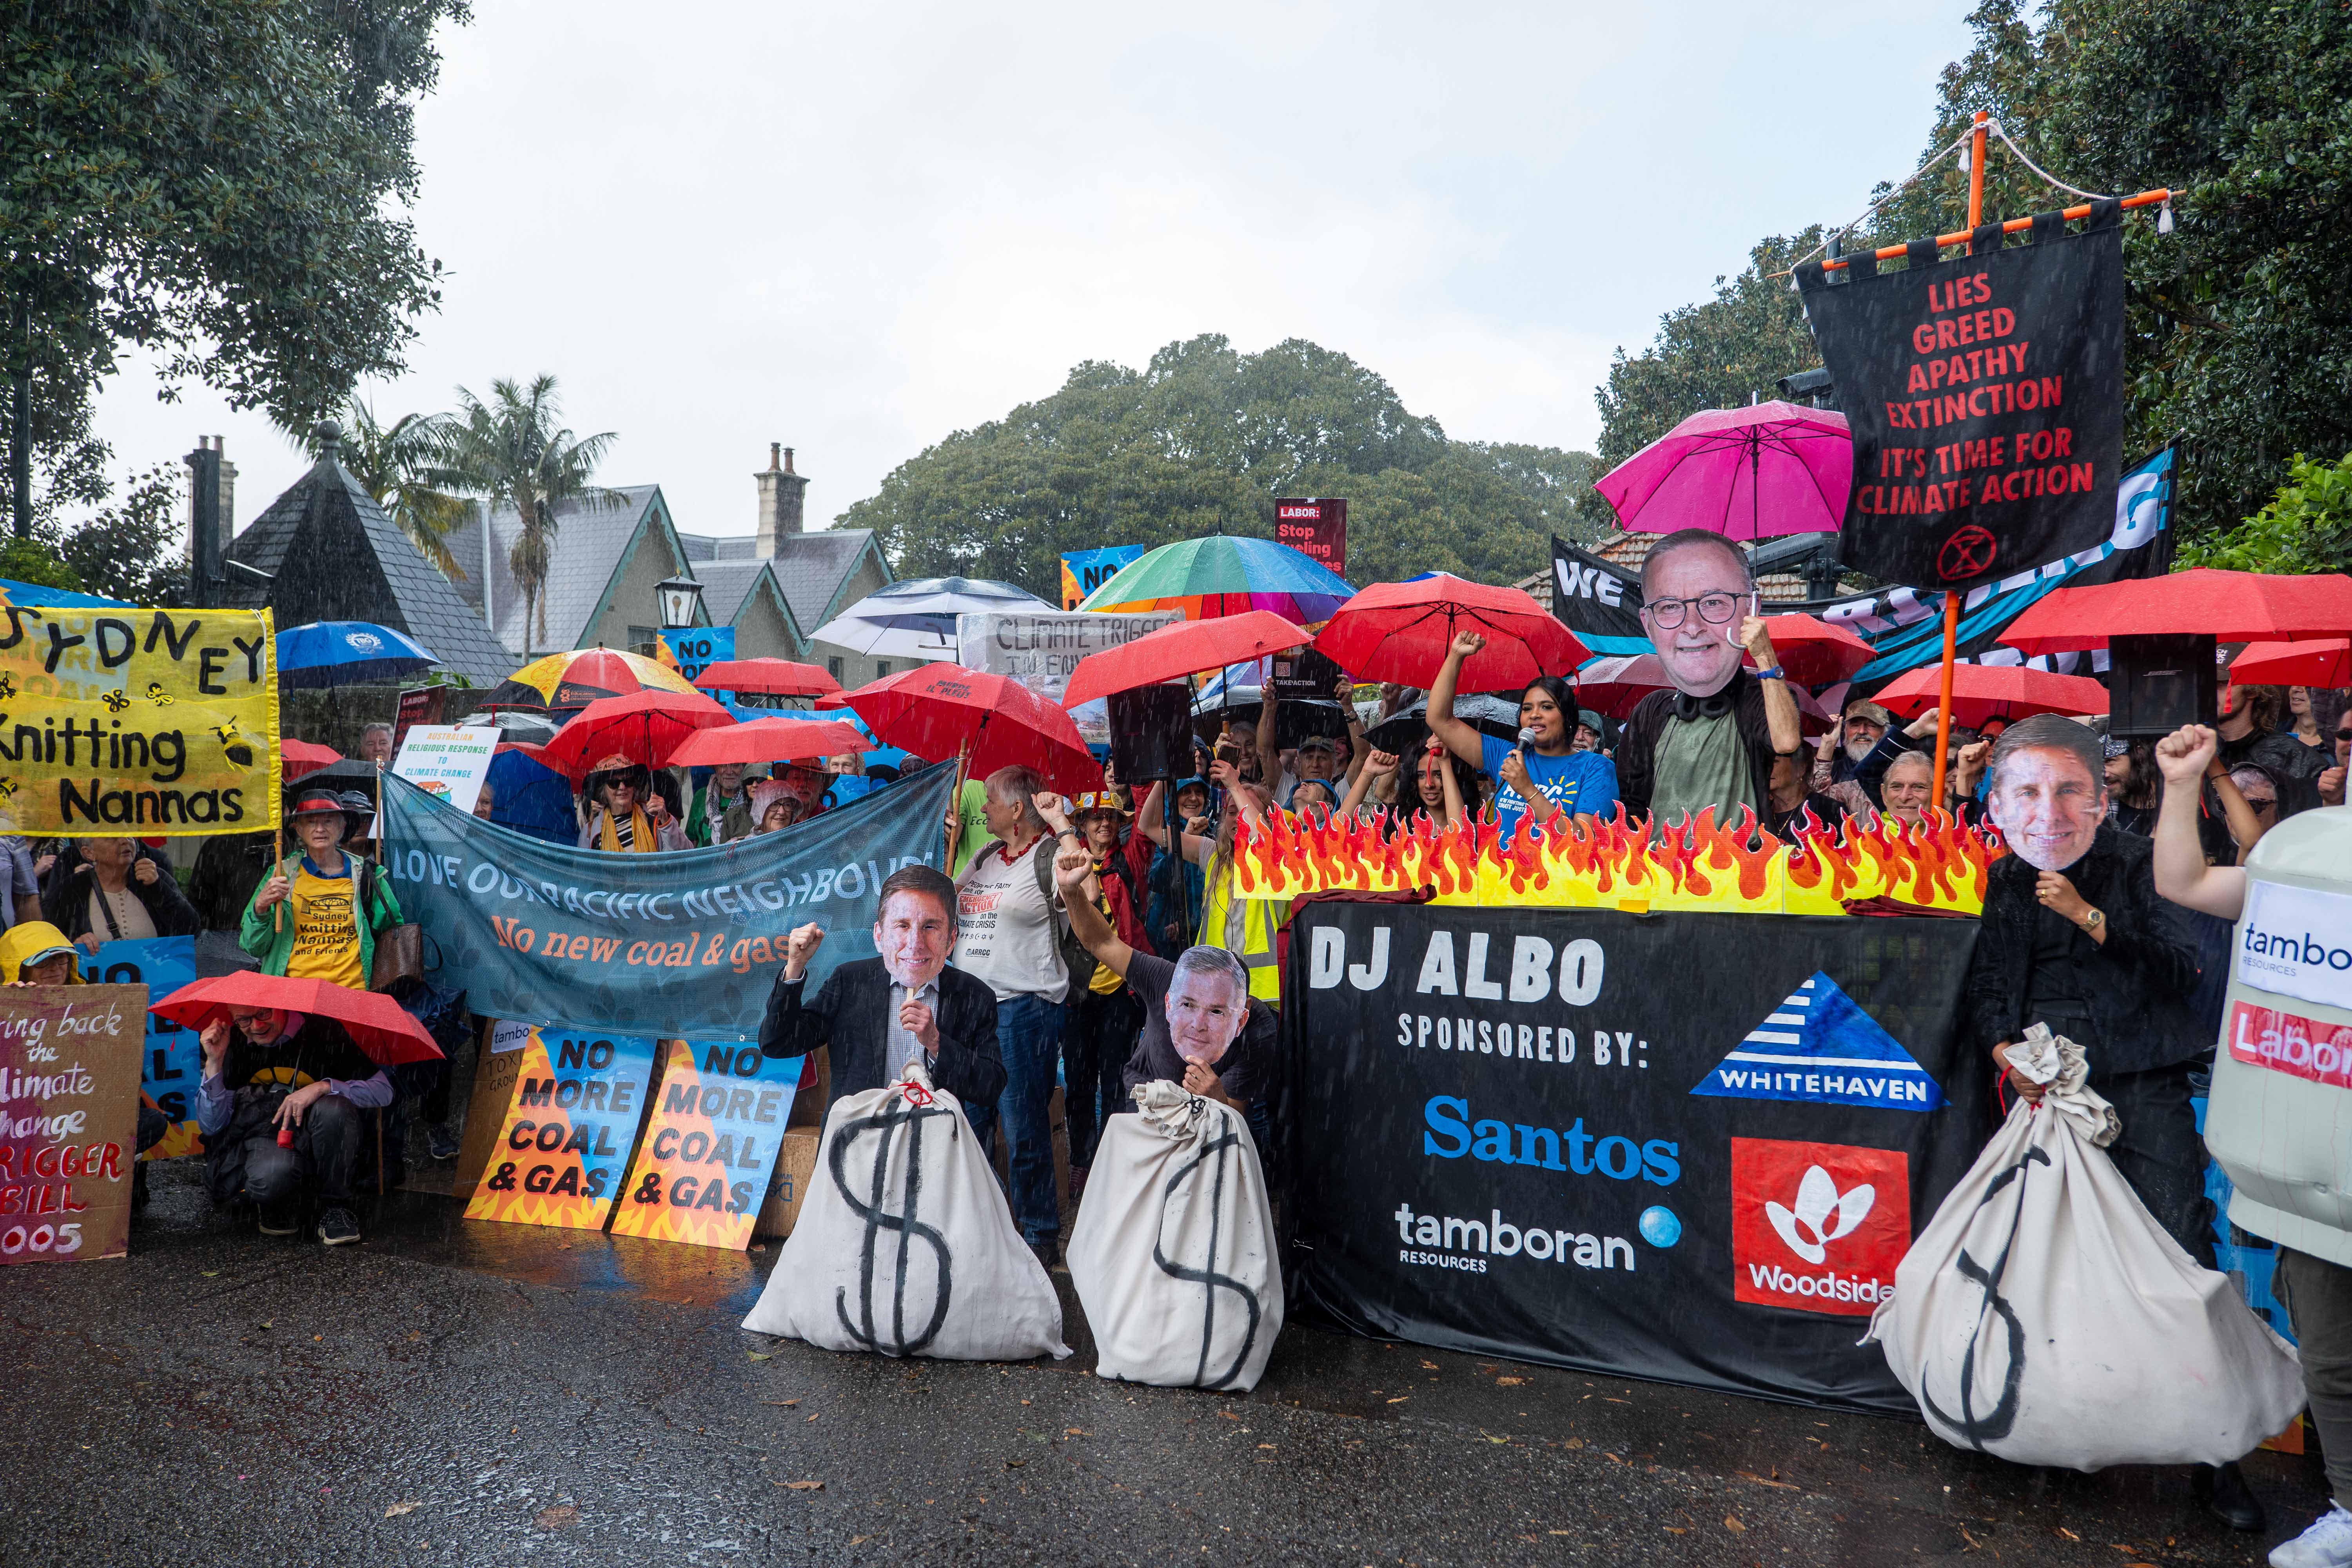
x=1201 y=1028
x=1710 y=741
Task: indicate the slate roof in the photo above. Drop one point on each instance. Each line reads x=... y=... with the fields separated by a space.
x=701 y=547
x=811 y=567
x=335 y=556
x=590 y=544
x=727 y=586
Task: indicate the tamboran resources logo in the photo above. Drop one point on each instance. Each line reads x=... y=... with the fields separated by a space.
x=1818 y=1226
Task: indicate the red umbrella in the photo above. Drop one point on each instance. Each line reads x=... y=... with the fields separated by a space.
x=2326 y=663
x=296 y=758
x=768 y=740
x=1982 y=692
x=377 y=1023
x=1185 y=649
x=643 y=726
x=1400 y=632
x=2232 y=606
x=939 y=709
x=1745 y=473
x=1814 y=652
x=769 y=677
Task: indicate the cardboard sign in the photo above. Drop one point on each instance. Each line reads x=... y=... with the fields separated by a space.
x=579 y=1096
x=146 y=721
x=703 y=1166
x=68 y=1120
x=448 y=761
x=1302 y=673
x=1041 y=649
x=1315 y=528
x=418 y=705
x=498 y=1046
x=171 y=1061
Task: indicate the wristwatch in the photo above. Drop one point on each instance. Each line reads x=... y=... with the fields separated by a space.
x=2094 y=920
x=1772 y=674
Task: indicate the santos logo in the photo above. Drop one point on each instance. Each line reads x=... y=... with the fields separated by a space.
x=1452 y=1134
x=1819 y=1227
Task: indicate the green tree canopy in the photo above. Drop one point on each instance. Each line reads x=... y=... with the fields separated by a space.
x=220 y=180
x=2238 y=330
x=1202 y=440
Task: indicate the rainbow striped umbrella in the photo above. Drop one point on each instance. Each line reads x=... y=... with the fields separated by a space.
x=1225 y=575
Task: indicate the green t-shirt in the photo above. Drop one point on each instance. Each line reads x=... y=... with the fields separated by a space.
x=972 y=834
x=1701 y=763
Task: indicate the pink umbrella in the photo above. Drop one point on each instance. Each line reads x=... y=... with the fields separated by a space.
x=1745 y=473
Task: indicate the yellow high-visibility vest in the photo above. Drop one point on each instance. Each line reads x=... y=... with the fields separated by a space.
x=1261 y=918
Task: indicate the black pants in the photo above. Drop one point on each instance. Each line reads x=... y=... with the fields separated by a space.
x=2159 y=1154
x=152 y=1125
x=319 y=1163
x=1095 y=1043
x=2318 y=1298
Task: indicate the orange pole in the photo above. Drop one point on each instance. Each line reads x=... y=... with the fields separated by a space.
x=1952 y=596
x=2011 y=225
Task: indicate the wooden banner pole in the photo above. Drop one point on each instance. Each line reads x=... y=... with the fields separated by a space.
x=955 y=806
x=1952 y=596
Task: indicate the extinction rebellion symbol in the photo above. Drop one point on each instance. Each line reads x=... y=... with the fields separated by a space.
x=1968 y=553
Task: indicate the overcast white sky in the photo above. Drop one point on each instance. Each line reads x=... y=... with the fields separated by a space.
x=858 y=230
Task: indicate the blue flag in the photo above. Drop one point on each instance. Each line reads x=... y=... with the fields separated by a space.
x=1817 y=1047
x=669 y=945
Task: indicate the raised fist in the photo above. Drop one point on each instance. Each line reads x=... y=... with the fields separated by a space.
x=800 y=947
x=2183 y=756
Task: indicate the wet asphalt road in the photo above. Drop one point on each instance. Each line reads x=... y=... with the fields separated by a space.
x=450 y=1394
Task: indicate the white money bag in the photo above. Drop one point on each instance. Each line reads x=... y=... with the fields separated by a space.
x=2044 y=1317
x=1173 y=1250
x=904 y=1244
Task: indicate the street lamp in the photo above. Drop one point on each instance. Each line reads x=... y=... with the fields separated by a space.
x=680 y=599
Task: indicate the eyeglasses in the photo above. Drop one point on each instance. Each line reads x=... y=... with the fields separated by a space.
x=1715 y=609
x=2261 y=804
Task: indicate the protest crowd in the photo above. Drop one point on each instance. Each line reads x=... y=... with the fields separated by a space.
x=1137 y=1008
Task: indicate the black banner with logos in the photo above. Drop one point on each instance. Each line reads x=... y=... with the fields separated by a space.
x=1985 y=396
x=1684 y=1147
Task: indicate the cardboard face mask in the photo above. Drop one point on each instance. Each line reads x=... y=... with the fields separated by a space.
x=1205 y=1011
x=912 y=938
x=2048 y=806
x=1700 y=655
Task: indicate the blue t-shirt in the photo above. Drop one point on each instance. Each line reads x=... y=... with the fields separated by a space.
x=1580 y=782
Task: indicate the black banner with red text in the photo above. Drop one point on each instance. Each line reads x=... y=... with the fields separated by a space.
x=1985 y=395
x=1686 y=1147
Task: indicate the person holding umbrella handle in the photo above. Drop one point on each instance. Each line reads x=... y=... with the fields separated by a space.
x=279 y=1105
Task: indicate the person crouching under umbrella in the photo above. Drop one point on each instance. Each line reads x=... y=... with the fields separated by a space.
x=626 y=815
x=279 y=1106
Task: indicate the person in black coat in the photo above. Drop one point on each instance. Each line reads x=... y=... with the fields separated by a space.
x=91 y=895
x=2075 y=935
x=880 y=1014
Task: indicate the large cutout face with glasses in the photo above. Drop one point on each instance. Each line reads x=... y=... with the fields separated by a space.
x=1693 y=603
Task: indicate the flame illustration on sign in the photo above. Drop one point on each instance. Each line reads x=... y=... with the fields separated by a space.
x=1939 y=863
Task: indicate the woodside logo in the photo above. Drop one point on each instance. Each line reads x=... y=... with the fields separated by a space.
x=1818 y=1227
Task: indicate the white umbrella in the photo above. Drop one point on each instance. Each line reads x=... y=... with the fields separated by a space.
x=916 y=618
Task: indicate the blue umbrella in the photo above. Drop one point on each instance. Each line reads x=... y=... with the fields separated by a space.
x=347 y=653
x=530 y=797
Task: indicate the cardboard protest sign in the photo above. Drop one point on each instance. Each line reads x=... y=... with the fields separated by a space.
x=1041 y=650
x=499 y=1045
x=447 y=761
x=161 y=721
x=171 y=1060
x=68 y=1120
x=579 y=1096
x=702 y=1168
x=662 y=945
x=1985 y=396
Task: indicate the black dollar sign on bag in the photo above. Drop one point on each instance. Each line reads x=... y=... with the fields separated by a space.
x=897 y=1113
x=1998 y=1422
x=1208 y=1277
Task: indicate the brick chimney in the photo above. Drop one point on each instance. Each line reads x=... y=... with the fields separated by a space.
x=224 y=529
x=781 y=493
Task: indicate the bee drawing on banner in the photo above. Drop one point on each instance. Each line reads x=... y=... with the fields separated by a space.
x=7 y=789
x=116 y=701
x=7 y=689
x=158 y=696
x=232 y=743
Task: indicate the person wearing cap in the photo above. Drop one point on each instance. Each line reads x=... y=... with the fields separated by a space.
x=335 y=904
x=38 y=953
x=117 y=890
x=1591 y=732
x=278 y=1104
x=626 y=815
x=1104 y=1016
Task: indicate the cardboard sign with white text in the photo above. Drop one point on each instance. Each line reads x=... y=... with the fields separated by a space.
x=68 y=1120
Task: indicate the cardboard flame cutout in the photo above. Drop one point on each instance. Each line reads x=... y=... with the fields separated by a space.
x=1736 y=869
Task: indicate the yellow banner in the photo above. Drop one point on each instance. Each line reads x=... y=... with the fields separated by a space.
x=141 y=722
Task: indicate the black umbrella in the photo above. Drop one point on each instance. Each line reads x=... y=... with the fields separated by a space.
x=1407 y=728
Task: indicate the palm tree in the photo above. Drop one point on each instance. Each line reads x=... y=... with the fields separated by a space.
x=513 y=451
x=396 y=465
